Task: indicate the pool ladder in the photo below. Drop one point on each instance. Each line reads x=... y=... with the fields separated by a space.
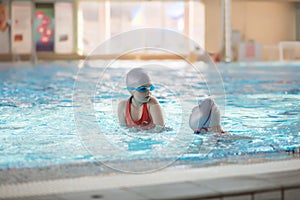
x=17 y=58
x=33 y=57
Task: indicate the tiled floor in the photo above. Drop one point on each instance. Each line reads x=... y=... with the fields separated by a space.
x=284 y=185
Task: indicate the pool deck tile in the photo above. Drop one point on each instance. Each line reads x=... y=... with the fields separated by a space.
x=210 y=199
x=240 y=197
x=272 y=195
x=238 y=185
x=283 y=179
x=103 y=195
x=183 y=190
x=292 y=194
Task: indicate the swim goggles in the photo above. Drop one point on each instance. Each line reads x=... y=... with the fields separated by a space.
x=144 y=89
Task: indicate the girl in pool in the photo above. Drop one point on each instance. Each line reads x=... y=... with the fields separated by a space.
x=206 y=117
x=141 y=110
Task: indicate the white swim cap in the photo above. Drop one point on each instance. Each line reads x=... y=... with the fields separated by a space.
x=206 y=114
x=136 y=78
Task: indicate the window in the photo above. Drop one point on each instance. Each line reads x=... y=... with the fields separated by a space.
x=98 y=21
x=91 y=25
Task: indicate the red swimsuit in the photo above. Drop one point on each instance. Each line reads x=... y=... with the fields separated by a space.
x=145 y=120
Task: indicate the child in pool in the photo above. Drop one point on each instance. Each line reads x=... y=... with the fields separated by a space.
x=206 y=117
x=141 y=110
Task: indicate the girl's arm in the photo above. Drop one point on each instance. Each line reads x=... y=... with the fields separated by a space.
x=156 y=112
x=121 y=112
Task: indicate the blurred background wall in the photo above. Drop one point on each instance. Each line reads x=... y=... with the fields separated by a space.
x=258 y=26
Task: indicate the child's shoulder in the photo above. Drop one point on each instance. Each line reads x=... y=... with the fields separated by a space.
x=153 y=101
x=123 y=102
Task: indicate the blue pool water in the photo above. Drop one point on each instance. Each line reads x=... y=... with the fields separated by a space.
x=45 y=119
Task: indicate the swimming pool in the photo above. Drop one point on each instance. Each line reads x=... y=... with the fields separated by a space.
x=44 y=123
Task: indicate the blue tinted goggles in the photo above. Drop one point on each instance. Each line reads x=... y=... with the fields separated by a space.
x=143 y=89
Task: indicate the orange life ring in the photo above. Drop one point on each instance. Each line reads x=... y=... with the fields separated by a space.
x=3 y=17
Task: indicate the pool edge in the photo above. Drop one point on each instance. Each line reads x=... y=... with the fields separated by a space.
x=108 y=182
